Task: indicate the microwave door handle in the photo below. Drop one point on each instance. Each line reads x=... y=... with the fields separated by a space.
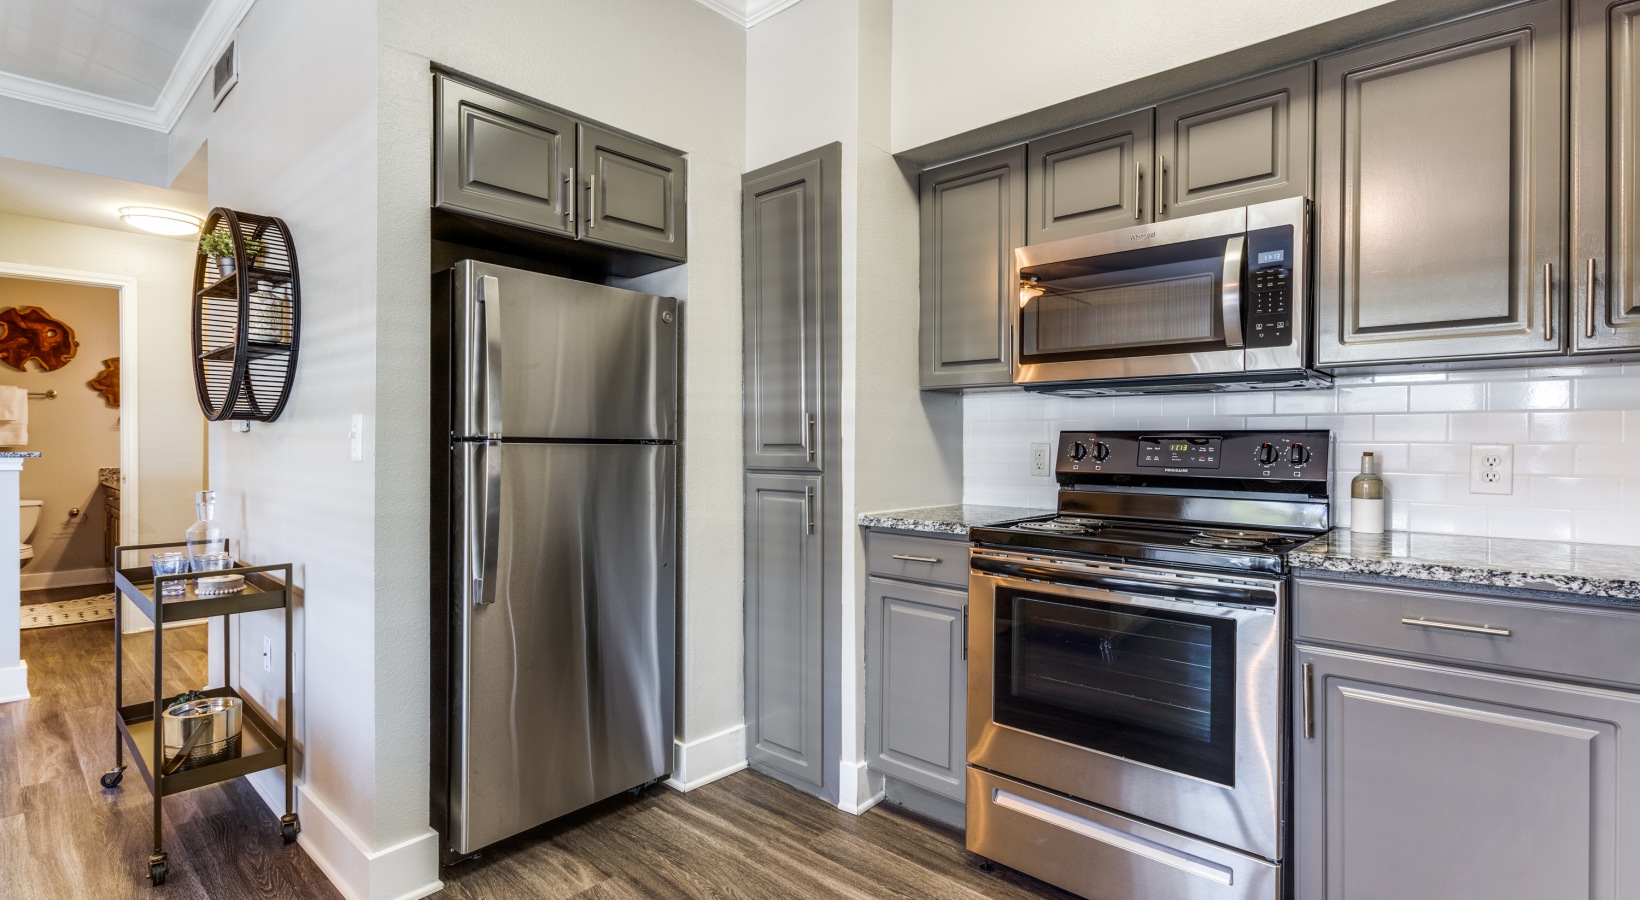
x=1230 y=299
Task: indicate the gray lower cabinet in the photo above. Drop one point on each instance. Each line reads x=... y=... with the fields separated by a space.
x=503 y=159
x=1090 y=179
x=634 y=194
x=1422 y=780
x=1605 y=297
x=784 y=627
x=916 y=701
x=973 y=216
x=1233 y=146
x=1441 y=186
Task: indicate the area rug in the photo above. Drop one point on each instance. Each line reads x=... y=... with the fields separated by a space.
x=69 y=612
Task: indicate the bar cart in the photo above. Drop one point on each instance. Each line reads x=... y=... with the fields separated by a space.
x=137 y=726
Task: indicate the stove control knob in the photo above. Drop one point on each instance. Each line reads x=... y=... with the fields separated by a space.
x=1267 y=454
x=1101 y=451
x=1298 y=455
x=1079 y=451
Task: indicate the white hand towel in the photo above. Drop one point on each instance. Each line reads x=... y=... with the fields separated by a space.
x=13 y=416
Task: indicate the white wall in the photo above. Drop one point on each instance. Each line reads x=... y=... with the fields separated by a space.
x=171 y=434
x=78 y=431
x=1575 y=432
x=70 y=140
x=963 y=64
x=673 y=72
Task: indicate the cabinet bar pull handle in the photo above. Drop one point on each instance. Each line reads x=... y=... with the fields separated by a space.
x=1453 y=626
x=965 y=631
x=922 y=559
x=1548 y=301
x=1161 y=189
x=592 y=200
x=1588 y=302
x=808 y=507
x=1309 y=701
x=571 y=188
x=1139 y=193
x=808 y=436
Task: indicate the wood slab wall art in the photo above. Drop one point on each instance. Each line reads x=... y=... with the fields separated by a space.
x=29 y=332
x=107 y=382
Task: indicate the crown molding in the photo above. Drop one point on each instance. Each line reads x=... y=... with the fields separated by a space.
x=746 y=13
x=209 y=39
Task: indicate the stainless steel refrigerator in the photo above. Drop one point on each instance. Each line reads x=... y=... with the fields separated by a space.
x=556 y=607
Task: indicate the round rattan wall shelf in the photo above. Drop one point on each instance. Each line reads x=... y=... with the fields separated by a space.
x=247 y=316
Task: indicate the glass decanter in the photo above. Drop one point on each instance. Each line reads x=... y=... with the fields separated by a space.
x=204 y=536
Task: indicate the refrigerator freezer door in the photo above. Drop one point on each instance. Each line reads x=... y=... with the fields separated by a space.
x=542 y=357
x=565 y=681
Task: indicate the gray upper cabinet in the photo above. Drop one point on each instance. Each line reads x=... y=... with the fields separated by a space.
x=1441 y=198
x=1233 y=146
x=917 y=691
x=973 y=216
x=1090 y=179
x=784 y=636
x=1421 y=780
x=502 y=159
x=781 y=230
x=634 y=194
x=1606 y=184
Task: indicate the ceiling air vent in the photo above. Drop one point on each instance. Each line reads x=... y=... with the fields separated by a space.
x=225 y=74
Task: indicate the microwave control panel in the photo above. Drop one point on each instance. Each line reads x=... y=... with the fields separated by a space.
x=1268 y=306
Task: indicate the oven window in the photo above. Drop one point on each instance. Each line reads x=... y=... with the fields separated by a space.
x=1139 y=302
x=1154 y=686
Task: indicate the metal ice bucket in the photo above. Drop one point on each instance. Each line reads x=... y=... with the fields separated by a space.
x=201 y=732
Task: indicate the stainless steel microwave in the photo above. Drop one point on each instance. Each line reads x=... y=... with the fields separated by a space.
x=1212 y=302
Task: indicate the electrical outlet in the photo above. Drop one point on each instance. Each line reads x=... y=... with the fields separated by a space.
x=355 y=438
x=1042 y=459
x=267 y=653
x=1491 y=469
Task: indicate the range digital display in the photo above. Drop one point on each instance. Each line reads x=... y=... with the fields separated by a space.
x=1180 y=452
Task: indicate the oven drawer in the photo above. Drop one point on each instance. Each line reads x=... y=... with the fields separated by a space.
x=932 y=560
x=1563 y=640
x=1096 y=853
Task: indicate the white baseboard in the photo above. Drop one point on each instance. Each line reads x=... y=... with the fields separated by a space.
x=858 y=788
x=705 y=760
x=405 y=871
x=39 y=581
x=14 y=682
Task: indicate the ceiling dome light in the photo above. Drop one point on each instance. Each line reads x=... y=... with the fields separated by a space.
x=160 y=221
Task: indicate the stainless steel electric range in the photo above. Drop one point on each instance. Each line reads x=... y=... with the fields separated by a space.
x=1126 y=711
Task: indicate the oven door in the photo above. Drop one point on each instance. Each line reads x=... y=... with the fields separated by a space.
x=1154 y=693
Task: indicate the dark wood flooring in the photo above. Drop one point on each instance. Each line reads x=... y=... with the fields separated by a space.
x=747 y=836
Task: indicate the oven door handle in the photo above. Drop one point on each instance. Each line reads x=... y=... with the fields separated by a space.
x=1168 y=589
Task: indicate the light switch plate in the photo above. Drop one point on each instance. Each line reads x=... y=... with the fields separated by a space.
x=1042 y=460
x=355 y=437
x=1491 y=469
x=267 y=653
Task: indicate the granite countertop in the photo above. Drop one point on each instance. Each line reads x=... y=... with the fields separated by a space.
x=1594 y=572
x=109 y=477
x=19 y=454
x=948 y=519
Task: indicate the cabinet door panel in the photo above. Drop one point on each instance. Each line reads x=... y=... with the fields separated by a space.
x=1606 y=180
x=1441 y=191
x=1237 y=145
x=502 y=159
x=917 y=685
x=1427 y=781
x=784 y=634
x=781 y=231
x=1090 y=179
x=634 y=194
x=973 y=216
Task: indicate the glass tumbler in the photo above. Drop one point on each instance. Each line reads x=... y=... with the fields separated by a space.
x=212 y=562
x=171 y=564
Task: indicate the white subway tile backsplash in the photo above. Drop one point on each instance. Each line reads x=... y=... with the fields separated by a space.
x=1377 y=398
x=1575 y=432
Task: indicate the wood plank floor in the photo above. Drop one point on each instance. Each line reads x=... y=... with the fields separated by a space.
x=747 y=836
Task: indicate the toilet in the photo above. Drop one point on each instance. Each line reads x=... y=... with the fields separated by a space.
x=29 y=514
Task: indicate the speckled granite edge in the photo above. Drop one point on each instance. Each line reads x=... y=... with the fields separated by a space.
x=1597 y=572
x=109 y=477
x=19 y=454
x=953 y=520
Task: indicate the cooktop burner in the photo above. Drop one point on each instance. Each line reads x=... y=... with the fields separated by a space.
x=1237 y=539
x=1063 y=525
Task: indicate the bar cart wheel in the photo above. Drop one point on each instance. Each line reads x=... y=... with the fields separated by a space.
x=289 y=827
x=113 y=777
x=156 y=869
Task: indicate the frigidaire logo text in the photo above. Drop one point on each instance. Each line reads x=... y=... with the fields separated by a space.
x=1180 y=471
x=1140 y=237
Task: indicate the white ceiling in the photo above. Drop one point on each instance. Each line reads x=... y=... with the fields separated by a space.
x=27 y=189
x=746 y=13
x=133 y=61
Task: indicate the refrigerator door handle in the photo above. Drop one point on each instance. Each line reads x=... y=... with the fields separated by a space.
x=485 y=532
x=489 y=300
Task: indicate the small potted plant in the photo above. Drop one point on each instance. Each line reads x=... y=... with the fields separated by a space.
x=219 y=246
